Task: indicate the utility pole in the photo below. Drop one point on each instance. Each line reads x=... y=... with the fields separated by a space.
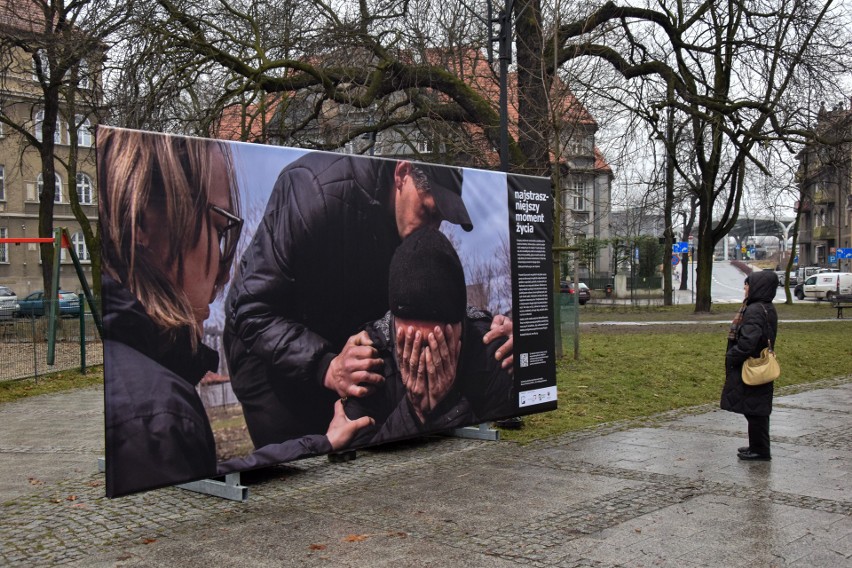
x=503 y=39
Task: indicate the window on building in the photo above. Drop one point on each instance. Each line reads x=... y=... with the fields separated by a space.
x=4 y=248
x=578 y=191
x=39 y=120
x=84 y=131
x=83 y=81
x=40 y=60
x=79 y=244
x=424 y=146
x=2 y=183
x=84 y=189
x=56 y=198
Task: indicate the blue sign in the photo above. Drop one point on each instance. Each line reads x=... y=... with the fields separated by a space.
x=844 y=253
x=832 y=259
x=680 y=247
x=675 y=259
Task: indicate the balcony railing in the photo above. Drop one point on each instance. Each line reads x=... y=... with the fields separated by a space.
x=824 y=232
x=823 y=196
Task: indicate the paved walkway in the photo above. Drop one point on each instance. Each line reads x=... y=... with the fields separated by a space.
x=666 y=491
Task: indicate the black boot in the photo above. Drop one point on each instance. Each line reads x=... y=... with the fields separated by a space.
x=754 y=456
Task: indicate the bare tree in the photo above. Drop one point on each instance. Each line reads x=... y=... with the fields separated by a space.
x=727 y=70
x=730 y=68
x=61 y=44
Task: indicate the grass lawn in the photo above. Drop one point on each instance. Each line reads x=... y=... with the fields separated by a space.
x=629 y=372
x=606 y=312
x=53 y=382
x=623 y=371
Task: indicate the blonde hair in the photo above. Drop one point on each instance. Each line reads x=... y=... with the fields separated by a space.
x=138 y=171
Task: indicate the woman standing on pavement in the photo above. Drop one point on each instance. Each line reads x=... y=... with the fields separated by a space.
x=755 y=324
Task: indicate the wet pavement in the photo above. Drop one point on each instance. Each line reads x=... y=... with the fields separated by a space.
x=662 y=491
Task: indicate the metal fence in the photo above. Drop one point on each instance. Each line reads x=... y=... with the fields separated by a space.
x=645 y=283
x=24 y=345
x=598 y=282
x=566 y=320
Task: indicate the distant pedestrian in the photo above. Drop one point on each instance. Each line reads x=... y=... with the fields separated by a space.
x=755 y=323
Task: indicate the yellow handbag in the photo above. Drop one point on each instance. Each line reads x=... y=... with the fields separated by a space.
x=763 y=369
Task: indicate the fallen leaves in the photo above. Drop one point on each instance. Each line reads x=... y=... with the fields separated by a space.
x=363 y=537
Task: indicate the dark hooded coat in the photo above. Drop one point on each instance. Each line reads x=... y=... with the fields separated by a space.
x=316 y=269
x=157 y=431
x=759 y=323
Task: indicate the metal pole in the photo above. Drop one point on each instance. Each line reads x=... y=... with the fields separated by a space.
x=505 y=58
x=692 y=271
x=83 y=335
x=576 y=306
x=54 y=297
x=35 y=346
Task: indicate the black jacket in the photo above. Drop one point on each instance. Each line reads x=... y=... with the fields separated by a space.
x=157 y=431
x=482 y=390
x=760 y=321
x=315 y=270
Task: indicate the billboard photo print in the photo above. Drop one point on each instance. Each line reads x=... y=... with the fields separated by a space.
x=264 y=304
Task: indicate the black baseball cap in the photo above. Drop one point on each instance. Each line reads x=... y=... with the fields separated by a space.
x=445 y=183
x=426 y=279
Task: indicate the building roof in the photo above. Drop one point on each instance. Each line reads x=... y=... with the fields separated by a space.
x=22 y=15
x=471 y=65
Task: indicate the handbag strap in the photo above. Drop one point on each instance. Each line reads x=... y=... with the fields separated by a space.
x=765 y=328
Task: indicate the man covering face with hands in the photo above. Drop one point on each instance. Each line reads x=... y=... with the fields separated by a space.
x=438 y=372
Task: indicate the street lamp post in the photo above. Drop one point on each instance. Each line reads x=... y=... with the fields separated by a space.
x=504 y=42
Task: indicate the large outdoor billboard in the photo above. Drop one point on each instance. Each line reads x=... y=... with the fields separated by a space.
x=263 y=304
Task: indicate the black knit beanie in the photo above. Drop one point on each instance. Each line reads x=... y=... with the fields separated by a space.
x=426 y=279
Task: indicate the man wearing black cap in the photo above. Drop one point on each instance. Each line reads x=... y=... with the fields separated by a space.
x=315 y=271
x=438 y=372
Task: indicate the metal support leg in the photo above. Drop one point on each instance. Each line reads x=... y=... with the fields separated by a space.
x=481 y=432
x=344 y=456
x=228 y=489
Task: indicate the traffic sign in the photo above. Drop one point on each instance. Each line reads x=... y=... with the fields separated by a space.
x=681 y=247
x=844 y=253
x=675 y=259
x=832 y=259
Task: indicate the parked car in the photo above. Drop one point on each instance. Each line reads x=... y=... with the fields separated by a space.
x=826 y=285
x=34 y=304
x=8 y=303
x=584 y=296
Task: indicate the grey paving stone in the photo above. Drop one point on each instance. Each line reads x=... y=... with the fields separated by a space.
x=662 y=491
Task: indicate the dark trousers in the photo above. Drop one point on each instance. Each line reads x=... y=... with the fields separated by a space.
x=758 y=434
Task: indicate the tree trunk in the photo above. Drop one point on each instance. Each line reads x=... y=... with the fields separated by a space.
x=704 y=264
x=48 y=193
x=532 y=89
